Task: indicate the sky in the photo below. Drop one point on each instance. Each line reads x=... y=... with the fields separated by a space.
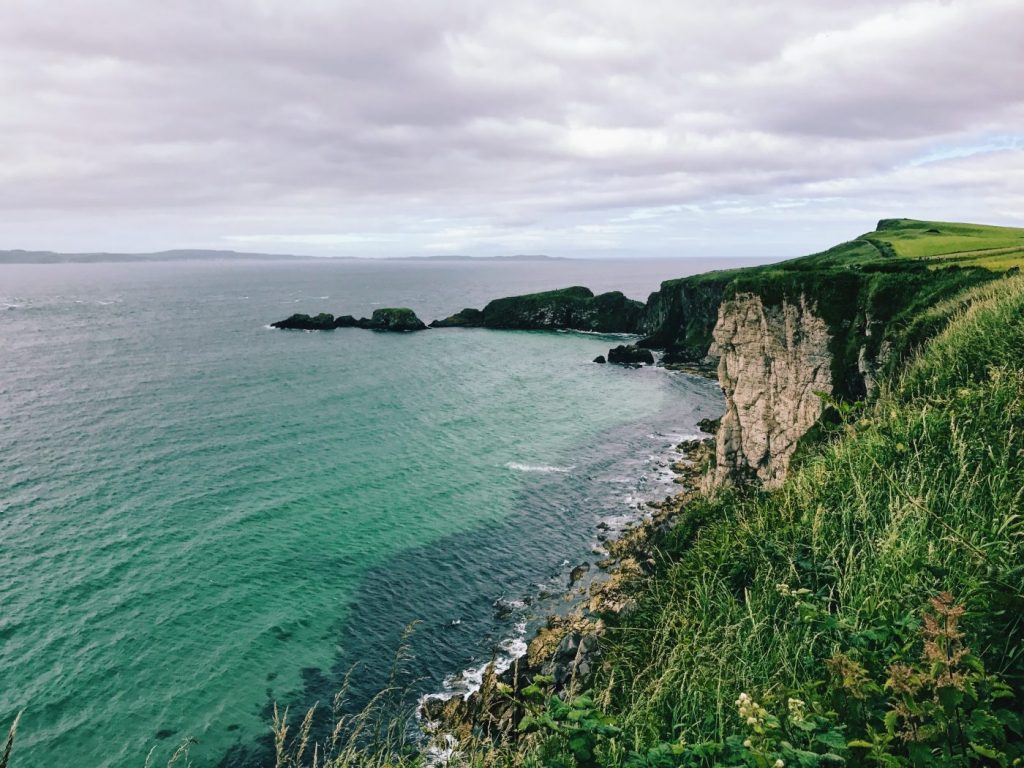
x=591 y=128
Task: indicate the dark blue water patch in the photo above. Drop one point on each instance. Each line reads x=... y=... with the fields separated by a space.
x=470 y=593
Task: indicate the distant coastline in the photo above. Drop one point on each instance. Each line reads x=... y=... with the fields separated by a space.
x=19 y=256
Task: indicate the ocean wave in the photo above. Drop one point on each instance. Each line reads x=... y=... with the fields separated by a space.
x=606 y=334
x=518 y=467
x=468 y=681
x=678 y=437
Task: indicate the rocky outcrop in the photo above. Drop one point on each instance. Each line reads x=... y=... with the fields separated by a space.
x=630 y=355
x=393 y=319
x=575 y=308
x=467 y=318
x=298 y=322
x=774 y=360
x=397 y=319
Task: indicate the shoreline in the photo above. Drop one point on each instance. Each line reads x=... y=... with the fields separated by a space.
x=563 y=644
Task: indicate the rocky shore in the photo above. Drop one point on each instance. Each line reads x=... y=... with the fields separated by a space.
x=566 y=649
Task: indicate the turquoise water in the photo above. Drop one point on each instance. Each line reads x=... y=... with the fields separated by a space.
x=200 y=516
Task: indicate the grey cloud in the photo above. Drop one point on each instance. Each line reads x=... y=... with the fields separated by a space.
x=475 y=125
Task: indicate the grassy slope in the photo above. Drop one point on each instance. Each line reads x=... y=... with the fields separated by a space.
x=921 y=493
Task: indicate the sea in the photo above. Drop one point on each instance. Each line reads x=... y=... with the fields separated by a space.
x=202 y=517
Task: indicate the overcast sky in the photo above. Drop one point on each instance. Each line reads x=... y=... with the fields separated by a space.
x=387 y=128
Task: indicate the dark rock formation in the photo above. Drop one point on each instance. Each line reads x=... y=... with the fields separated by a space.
x=393 y=319
x=322 y=322
x=709 y=425
x=387 y=319
x=630 y=355
x=575 y=308
x=600 y=359
x=575 y=657
x=681 y=316
x=578 y=573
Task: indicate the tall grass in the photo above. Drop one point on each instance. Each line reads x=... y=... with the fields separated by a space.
x=377 y=736
x=920 y=492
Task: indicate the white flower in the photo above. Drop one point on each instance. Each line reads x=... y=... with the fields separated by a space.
x=780 y=763
x=748 y=743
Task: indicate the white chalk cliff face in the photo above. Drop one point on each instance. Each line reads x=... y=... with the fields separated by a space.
x=772 y=362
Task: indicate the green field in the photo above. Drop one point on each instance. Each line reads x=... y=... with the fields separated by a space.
x=942 y=243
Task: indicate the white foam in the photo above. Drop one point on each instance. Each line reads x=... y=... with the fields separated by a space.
x=518 y=467
x=678 y=437
x=468 y=681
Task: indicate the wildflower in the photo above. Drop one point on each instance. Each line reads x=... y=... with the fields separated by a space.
x=780 y=763
x=752 y=713
x=748 y=743
x=796 y=708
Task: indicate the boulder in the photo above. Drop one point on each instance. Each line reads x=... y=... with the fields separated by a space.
x=600 y=360
x=630 y=355
x=710 y=425
x=575 y=657
x=577 y=573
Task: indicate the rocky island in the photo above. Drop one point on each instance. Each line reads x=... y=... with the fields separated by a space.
x=575 y=308
x=397 y=319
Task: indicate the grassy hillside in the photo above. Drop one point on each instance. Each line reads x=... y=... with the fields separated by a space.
x=814 y=591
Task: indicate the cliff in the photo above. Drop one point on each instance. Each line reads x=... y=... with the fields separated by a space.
x=681 y=316
x=774 y=364
x=789 y=336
